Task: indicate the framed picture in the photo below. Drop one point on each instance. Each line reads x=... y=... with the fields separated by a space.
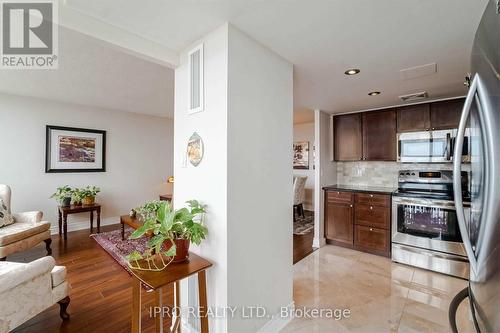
x=195 y=149
x=70 y=149
x=301 y=155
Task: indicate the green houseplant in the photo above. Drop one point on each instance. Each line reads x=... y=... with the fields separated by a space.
x=77 y=196
x=88 y=194
x=173 y=231
x=63 y=195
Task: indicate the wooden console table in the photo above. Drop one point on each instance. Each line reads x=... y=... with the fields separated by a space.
x=170 y=275
x=64 y=211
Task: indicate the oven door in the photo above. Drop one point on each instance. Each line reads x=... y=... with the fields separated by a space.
x=426 y=223
x=425 y=147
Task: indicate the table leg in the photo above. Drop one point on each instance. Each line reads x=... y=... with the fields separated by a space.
x=60 y=222
x=91 y=222
x=202 y=294
x=136 y=305
x=99 y=220
x=159 y=317
x=65 y=225
x=177 y=326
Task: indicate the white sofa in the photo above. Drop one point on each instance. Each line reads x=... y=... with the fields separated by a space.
x=27 y=231
x=26 y=289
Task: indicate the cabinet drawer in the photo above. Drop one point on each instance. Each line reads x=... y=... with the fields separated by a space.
x=371 y=238
x=373 y=199
x=372 y=216
x=339 y=196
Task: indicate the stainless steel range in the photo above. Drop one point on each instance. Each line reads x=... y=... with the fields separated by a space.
x=425 y=230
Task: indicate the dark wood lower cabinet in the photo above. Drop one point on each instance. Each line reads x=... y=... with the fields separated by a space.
x=360 y=221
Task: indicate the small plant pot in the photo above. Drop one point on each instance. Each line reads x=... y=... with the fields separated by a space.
x=88 y=201
x=66 y=202
x=182 y=249
x=77 y=203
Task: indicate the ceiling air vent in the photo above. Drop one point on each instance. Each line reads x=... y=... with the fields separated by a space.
x=414 y=97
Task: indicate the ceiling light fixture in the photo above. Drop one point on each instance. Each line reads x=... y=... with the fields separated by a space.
x=352 y=71
x=374 y=93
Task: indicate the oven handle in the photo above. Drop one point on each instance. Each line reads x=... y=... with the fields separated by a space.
x=457 y=178
x=448 y=146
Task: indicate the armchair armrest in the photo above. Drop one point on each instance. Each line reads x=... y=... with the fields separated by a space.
x=28 y=217
x=18 y=275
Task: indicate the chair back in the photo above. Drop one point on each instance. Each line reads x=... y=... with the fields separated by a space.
x=5 y=194
x=299 y=186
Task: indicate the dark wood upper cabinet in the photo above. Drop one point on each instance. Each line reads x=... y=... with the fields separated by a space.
x=348 y=137
x=414 y=118
x=379 y=135
x=446 y=114
x=339 y=218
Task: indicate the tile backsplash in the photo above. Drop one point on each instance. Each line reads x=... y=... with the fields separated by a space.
x=379 y=173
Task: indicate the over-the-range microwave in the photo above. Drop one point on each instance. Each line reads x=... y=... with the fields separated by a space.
x=430 y=147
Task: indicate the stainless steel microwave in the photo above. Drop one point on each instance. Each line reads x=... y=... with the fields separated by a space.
x=430 y=147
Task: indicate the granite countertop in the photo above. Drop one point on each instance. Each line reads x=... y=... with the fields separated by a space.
x=359 y=188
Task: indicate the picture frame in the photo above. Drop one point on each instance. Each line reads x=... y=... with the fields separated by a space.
x=72 y=149
x=301 y=155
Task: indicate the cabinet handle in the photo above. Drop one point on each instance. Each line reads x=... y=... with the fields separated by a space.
x=338 y=192
x=433 y=128
x=371 y=195
x=350 y=206
x=371 y=207
x=426 y=129
x=371 y=229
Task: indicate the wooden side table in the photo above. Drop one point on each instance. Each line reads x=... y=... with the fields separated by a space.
x=170 y=275
x=166 y=197
x=64 y=211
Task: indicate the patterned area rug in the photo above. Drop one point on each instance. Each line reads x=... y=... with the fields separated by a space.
x=304 y=225
x=117 y=248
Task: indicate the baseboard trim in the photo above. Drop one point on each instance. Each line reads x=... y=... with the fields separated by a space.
x=85 y=224
x=277 y=322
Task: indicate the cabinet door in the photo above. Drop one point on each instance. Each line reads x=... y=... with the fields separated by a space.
x=379 y=135
x=348 y=143
x=339 y=222
x=446 y=114
x=414 y=118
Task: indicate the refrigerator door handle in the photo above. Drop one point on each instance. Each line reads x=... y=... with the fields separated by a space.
x=457 y=179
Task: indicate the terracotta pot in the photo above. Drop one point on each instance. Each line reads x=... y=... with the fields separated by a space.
x=182 y=249
x=88 y=200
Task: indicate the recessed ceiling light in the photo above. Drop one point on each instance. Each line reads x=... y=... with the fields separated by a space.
x=374 y=93
x=352 y=71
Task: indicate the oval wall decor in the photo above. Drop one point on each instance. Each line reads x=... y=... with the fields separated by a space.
x=195 y=149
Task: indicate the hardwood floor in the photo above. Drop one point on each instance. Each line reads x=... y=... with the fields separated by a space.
x=100 y=288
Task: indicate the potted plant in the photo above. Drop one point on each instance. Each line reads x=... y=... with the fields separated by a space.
x=77 y=196
x=148 y=210
x=88 y=194
x=173 y=231
x=63 y=195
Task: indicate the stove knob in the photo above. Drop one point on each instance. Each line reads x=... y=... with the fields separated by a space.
x=413 y=173
x=407 y=173
x=402 y=174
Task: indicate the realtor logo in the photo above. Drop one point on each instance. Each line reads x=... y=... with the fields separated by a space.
x=29 y=34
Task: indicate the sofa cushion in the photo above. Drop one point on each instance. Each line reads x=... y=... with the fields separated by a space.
x=58 y=275
x=18 y=231
x=5 y=217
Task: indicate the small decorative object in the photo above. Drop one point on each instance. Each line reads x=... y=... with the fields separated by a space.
x=63 y=195
x=70 y=149
x=173 y=232
x=301 y=155
x=195 y=149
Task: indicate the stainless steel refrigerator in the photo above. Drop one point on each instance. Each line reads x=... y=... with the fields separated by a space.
x=480 y=227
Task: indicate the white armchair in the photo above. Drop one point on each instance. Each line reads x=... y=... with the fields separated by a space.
x=26 y=289
x=27 y=231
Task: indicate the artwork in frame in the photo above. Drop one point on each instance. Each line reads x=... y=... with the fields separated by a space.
x=195 y=149
x=71 y=149
x=301 y=155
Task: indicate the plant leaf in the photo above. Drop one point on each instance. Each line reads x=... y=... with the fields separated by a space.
x=171 y=252
x=135 y=255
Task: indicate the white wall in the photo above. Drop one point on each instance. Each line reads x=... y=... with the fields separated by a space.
x=207 y=182
x=260 y=138
x=326 y=171
x=305 y=132
x=138 y=157
x=245 y=177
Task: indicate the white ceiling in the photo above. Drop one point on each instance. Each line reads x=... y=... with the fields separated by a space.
x=97 y=74
x=323 y=38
